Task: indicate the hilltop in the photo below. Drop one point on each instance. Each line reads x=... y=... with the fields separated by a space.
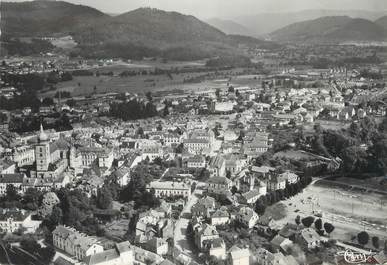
x=41 y=18
x=331 y=30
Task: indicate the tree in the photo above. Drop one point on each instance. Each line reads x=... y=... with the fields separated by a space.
x=48 y=102
x=104 y=198
x=329 y=227
x=56 y=215
x=31 y=198
x=47 y=254
x=363 y=238
x=66 y=76
x=166 y=111
x=375 y=242
x=70 y=102
x=355 y=159
x=149 y=95
x=318 y=224
x=260 y=207
x=158 y=161
x=11 y=193
x=217 y=92
x=30 y=245
x=307 y=221
x=379 y=150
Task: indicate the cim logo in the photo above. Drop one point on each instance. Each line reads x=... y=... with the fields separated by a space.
x=352 y=257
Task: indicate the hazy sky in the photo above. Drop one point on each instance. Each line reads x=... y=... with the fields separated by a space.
x=231 y=8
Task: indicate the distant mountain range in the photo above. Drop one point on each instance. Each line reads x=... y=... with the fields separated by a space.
x=135 y=34
x=229 y=26
x=333 y=29
x=265 y=23
x=147 y=32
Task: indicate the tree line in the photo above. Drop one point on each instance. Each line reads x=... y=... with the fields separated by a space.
x=133 y=110
x=273 y=197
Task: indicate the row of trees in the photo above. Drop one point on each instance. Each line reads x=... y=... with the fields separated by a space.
x=363 y=238
x=32 y=123
x=318 y=224
x=275 y=196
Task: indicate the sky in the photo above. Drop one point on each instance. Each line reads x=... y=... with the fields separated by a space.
x=231 y=8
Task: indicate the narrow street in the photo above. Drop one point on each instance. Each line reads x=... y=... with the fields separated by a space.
x=180 y=238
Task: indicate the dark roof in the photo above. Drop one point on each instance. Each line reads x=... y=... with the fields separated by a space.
x=12 y=178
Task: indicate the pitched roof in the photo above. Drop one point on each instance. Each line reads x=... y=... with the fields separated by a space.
x=12 y=178
x=102 y=257
x=62 y=261
x=220 y=213
x=310 y=235
x=219 y=180
x=251 y=194
x=239 y=253
x=207 y=230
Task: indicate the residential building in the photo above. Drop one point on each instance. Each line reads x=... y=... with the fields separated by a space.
x=220 y=185
x=238 y=256
x=204 y=232
x=13 y=220
x=15 y=179
x=75 y=243
x=196 y=161
x=308 y=238
x=121 y=254
x=157 y=245
x=276 y=182
x=216 y=247
x=247 y=216
x=290 y=177
x=169 y=188
x=197 y=146
x=220 y=217
x=217 y=166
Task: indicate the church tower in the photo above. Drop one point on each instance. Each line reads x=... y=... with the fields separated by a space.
x=42 y=152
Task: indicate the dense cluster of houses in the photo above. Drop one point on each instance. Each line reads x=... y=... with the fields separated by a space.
x=215 y=132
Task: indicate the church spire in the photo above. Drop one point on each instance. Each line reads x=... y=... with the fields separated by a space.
x=42 y=136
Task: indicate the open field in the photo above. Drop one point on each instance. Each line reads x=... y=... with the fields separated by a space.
x=117 y=229
x=349 y=211
x=84 y=85
x=64 y=42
